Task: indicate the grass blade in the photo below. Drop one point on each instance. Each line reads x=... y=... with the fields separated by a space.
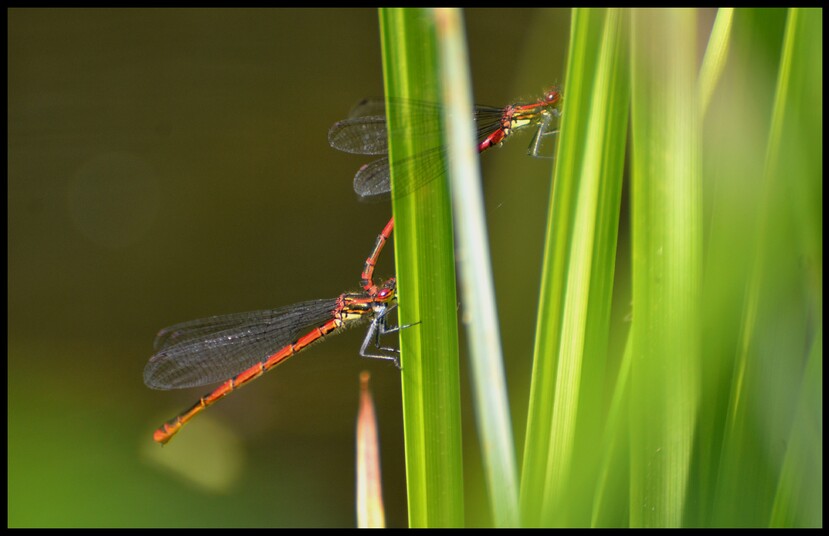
x=424 y=252
x=562 y=452
x=667 y=239
x=481 y=320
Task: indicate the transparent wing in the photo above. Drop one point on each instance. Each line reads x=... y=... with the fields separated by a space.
x=365 y=132
x=214 y=349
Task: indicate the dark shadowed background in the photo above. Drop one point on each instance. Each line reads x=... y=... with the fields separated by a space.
x=170 y=164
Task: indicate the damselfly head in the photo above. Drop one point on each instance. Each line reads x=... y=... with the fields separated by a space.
x=386 y=293
x=552 y=97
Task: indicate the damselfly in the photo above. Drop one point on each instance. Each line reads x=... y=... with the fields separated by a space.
x=364 y=132
x=238 y=348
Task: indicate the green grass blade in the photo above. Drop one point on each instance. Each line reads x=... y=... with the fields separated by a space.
x=798 y=498
x=715 y=55
x=667 y=239
x=613 y=479
x=757 y=455
x=730 y=477
x=785 y=275
x=426 y=275
x=478 y=296
x=715 y=415
x=798 y=501
x=562 y=449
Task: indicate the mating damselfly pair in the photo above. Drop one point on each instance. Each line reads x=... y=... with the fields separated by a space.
x=238 y=348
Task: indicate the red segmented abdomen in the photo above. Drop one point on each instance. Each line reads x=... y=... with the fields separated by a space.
x=169 y=429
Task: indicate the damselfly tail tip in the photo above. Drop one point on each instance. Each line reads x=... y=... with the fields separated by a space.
x=164 y=434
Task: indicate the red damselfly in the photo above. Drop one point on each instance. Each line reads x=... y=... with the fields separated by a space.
x=244 y=346
x=364 y=132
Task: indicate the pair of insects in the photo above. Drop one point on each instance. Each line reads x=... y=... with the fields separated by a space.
x=238 y=348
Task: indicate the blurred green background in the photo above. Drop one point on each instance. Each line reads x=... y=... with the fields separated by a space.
x=166 y=165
